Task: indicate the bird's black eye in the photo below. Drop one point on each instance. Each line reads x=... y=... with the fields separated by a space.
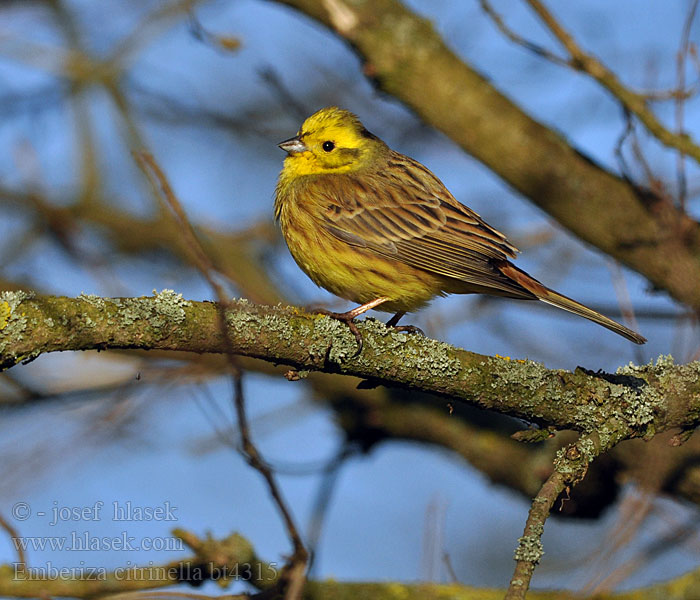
x=328 y=146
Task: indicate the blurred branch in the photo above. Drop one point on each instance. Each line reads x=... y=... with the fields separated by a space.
x=12 y=534
x=233 y=559
x=224 y=560
x=518 y=39
x=681 y=57
x=679 y=93
x=404 y=56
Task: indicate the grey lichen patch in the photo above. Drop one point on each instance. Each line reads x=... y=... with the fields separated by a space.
x=563 y=464
x=13 y=331
x=663 y=362
x=238 y=320
x=166 y=308
x=282 y=330
x=333 y=339
x=171 y=306
x=15 y=298
x=587 y=448
x=92 y=299
x=429 y=358
x=529 y=549
x=638 y=404
x=520 y=373
x=629 y=401
x=639 y=409
x=132 y=310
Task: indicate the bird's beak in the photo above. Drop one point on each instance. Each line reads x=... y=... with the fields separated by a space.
x=293 y=145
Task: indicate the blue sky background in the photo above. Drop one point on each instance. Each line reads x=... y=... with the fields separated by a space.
x=71 y=453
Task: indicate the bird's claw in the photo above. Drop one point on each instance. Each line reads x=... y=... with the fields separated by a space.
x=349 y=320
x=409 y=329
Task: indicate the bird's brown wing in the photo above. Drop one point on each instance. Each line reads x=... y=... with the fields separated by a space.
x=404 y=212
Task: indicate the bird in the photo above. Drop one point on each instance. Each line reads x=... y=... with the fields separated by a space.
x=379 y=229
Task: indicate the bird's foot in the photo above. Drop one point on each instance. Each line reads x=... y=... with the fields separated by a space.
x=349 y=319
x=409 y=329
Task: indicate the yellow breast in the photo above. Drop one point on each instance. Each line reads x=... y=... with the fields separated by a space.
x=354 y=273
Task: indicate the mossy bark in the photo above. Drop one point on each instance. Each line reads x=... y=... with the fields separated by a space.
x=635 y=402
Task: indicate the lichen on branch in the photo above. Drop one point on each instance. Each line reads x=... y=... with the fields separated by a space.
x=637 y=401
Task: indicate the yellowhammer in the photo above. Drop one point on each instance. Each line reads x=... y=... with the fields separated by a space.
x=378 y=228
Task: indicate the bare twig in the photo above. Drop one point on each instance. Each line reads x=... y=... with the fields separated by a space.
x=14 y=535
x=198 y=256
x=225 y=43
x=293 y=577
x=677 y=93
x=286 y=98
x=518 y=39
x=297 y=564
x=570 y=467
x=619 y=145
x=680 y=102
x=632 y=101
x=323 y=497
x=154 y=22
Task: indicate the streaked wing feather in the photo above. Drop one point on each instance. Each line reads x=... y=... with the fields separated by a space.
x=415 y=219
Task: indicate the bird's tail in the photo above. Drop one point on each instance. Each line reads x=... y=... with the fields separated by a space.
x=544 y=294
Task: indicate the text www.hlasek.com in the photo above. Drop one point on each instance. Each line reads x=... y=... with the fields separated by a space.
x=83 y=541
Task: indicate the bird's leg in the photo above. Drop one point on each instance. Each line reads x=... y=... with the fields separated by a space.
x=349 y=318
x=407 y=328
x=395 y=319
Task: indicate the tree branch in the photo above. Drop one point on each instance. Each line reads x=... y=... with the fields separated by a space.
x=636 y=402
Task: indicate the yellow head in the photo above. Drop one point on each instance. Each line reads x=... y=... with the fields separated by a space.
x=331 y=140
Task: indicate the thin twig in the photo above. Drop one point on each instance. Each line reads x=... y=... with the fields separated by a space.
x=294 y=577
x=677 y=93
x=619 y=145
x=296 y=566
x=287 y=99
x=570 y=467
x=633 y=511
x=450 y=569
x=222 y=42
x=632 y=101
x=530 y=551
x=14 y=535
x=323 y=497
x=680 y=103
x=518 y=39
x=199 y=257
